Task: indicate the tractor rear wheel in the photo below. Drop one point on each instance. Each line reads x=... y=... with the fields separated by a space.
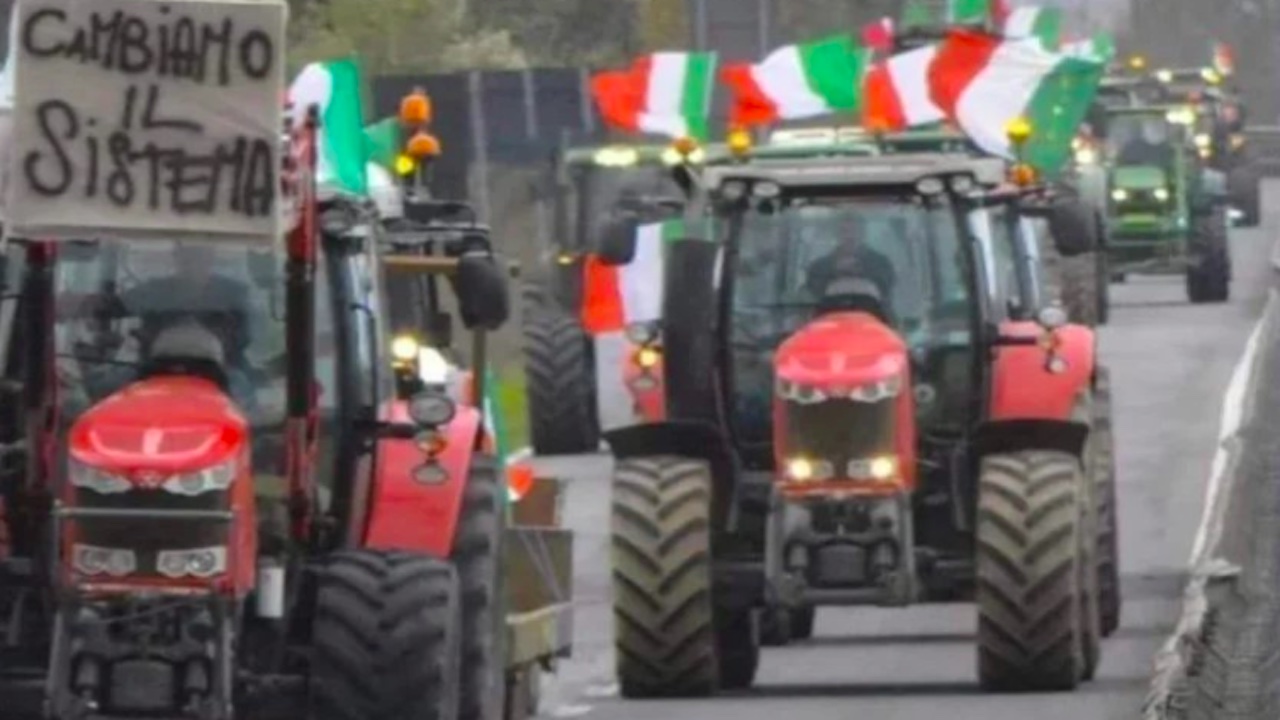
x=386 y=638
x=1081 y=288
x=738 y=647
x=1209 y=278
x=775 y=627
x=802 y=622
x=477 y=550
x=665 y=634
x=1105 y=495
x=560 y=384
x=1029 y=591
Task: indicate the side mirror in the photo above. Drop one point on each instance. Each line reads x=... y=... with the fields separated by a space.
x=483 y=295
x=1074 y=227
x=618 y=241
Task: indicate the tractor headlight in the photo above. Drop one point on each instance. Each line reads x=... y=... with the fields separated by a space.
x=1086 y=156
x=1161 y=194
x=647 y=358
x=803 y=469
x=883 y=467
x=99 y=481
x=404 y=348
x=212 y=479
x=199 y=562
x=93 y=560
x=1203 y=141
x=431 y=409
x=1119 y=194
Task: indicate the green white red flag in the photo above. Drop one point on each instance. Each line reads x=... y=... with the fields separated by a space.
x=665 y=93
x=897 y=92
x=798 y=81
x=984 y=83
x=615 y=296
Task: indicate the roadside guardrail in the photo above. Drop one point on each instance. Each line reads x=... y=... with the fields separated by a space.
x=1223 y=660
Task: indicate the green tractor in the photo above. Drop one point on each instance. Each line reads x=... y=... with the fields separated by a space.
x=594 y=187
x=1219 y=134
x=1167 y=211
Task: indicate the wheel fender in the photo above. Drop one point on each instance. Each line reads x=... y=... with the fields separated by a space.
x=1023 y=389
x=1009 y=436
x=688 y=439
x=408 y=514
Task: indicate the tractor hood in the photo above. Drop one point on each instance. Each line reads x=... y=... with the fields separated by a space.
x=841 y=353
x=1138 y=177
x=160 y=427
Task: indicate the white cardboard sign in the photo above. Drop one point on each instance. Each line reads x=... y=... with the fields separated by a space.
x=147 y=119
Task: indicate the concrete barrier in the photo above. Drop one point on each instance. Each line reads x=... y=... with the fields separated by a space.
x=1223 y=660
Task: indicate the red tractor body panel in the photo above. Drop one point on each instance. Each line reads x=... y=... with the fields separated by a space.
x=840 y=356
x=406 y=513
x=1021 y=387
x=152 y=433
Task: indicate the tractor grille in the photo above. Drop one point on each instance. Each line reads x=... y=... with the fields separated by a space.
x=840 y=430
x=149 y=535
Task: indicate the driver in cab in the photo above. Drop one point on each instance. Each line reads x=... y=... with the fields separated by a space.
x=1150 y=146
x=850 y=267
x=194 y=293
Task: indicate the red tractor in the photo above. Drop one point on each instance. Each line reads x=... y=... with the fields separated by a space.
x=221 y=508
x=867 y=404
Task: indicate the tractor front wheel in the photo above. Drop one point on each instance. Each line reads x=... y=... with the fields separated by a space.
x=802 y=622
x=1030 y=571
x=665 y=634
x=1209 y=275
x=386 y=638
x=1105 y=495
x=560 y=385
x=477 y=549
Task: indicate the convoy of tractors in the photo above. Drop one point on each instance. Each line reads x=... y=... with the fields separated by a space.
x=873 y=380
x=938 y=431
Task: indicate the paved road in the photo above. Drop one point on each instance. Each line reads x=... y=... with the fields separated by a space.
x=1170 y=363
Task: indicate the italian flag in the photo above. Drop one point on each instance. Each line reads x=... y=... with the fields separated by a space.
x=984 y=83
x=1037 y=22
x=897 y=92
x=335 y=87
x=798 y=81
x=665 y=93
x=615 y=296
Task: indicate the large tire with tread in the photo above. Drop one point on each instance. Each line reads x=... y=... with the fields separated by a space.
x=477 y=553
x=802 y=622
x=1081 y=289
x=386 y=638
x=1029 y=589
x=738 y=648
x=560 y=384
x=1108 y=518
x=1209 y=279
x=665 y=632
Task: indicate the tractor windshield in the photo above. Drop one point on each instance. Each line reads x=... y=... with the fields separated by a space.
x=1141 y=139
x=792 y=260
x=116 y=302
x=600 y=193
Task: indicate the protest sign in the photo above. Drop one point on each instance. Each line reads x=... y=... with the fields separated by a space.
x=147 y=119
